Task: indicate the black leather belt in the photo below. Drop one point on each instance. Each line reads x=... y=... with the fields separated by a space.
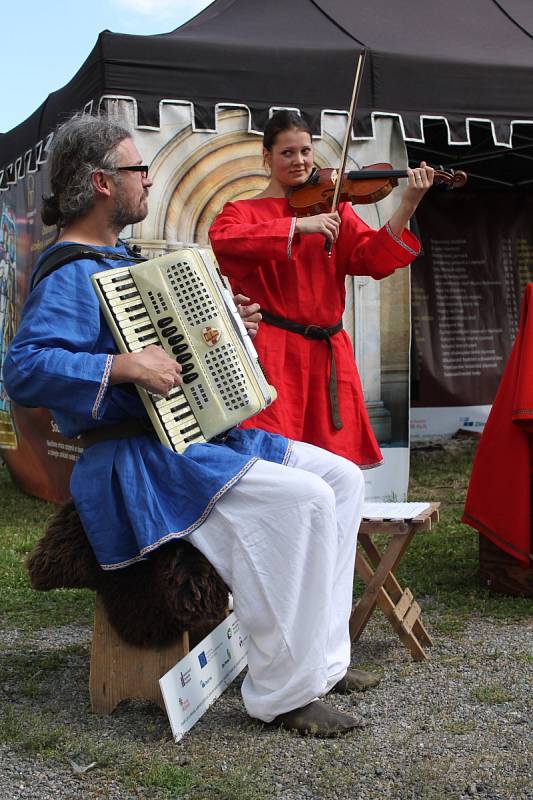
x=134 y=426
x=314 y=332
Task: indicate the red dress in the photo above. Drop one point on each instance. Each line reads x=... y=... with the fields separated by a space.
x=498 y=503
x=291 y=276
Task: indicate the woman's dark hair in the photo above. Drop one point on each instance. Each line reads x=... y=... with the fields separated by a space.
x=283 y=121
x=80 y=145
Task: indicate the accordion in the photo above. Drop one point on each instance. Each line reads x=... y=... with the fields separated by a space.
x=180 y=301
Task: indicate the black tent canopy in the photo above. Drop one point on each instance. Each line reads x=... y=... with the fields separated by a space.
x=459 y=61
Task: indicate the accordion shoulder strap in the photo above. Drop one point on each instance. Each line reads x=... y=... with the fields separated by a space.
x=72 y=252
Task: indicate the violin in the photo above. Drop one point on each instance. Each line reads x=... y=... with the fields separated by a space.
x=367 y=185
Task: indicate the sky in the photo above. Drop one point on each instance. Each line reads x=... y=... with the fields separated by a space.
x=44 y=42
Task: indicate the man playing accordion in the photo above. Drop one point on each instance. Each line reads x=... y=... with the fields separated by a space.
x=278 y=519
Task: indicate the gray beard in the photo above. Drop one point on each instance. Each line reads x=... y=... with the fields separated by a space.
x=123 y=214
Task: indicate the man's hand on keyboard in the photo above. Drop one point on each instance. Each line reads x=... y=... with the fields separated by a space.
x=151 y=368
x=249 y=313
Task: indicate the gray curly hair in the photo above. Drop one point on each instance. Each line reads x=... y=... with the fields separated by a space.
x=80 y=145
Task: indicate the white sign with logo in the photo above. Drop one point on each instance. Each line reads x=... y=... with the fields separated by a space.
x=434 y=423
x=197 y=680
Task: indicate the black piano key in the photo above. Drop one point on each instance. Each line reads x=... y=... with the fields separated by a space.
x=175 y=409
x=189 y=428
x=176 y=339
x=118 y=278
x=192 y=376
x=193 y=438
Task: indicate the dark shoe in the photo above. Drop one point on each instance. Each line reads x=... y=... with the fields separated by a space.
x=317 y=719
x=356 y=680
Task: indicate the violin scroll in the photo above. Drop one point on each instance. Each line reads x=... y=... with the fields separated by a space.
x=453 y=179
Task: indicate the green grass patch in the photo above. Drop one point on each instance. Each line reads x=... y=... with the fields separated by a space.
x=459 y=728
x=201 y=781
x=526 y=658
x=492 y=695
x=22 y=522
x=32 y=732
x=171 y=778
x=29 y=673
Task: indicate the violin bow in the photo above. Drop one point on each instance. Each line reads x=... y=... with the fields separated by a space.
x=347 y=137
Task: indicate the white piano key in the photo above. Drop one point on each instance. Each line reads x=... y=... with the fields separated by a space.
x=119 y=287
x=122 y=301
x=131 y=316
x=106 y=280
x=136 y=344
x=180 y=419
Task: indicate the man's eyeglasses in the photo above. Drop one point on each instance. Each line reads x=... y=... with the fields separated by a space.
x=142 y=168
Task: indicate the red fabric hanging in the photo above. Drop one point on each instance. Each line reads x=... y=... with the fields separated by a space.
x=498 y=502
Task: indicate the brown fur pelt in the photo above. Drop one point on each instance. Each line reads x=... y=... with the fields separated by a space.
x=149 y=603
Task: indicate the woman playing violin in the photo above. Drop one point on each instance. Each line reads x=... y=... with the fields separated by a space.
x=279 y=259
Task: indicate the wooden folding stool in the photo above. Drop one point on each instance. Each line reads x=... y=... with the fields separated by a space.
x=376 y=568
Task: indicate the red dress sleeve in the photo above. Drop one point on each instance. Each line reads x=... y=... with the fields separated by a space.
x=376 y=253
x=237 y=240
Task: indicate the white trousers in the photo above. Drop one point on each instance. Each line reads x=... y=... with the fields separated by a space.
x=283 y=539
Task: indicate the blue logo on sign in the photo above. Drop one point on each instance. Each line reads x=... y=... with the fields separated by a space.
x=202 y=658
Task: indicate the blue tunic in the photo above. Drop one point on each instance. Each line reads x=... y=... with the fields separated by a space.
x=135 y=494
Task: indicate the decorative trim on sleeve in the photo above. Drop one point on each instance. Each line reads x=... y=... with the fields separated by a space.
x=291 y=234
x=399 y=240
x=103 y=385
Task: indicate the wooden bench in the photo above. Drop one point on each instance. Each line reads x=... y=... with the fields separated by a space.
x=376 y=568
x=144 y=615
x=120 y=671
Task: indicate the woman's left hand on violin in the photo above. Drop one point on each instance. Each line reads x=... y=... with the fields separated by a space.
x=419 y=180
x=249 y=313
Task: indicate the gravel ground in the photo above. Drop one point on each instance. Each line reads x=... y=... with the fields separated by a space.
x=457 y=726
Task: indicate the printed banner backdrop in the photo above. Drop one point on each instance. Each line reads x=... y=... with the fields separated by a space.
x=8 y=299
x=37 y=455
x=194 y=174
x=466 y=290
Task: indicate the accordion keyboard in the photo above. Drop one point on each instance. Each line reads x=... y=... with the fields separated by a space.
x=133 y=330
